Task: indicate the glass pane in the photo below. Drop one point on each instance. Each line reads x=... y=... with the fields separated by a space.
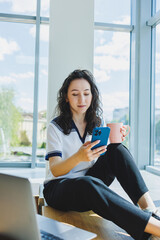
x=24 y=7
x=157 y=5
x=157 y=99
x=17 y=49
x=111 y=70
x=45 y=8
x=42 y=103
x=114 y=11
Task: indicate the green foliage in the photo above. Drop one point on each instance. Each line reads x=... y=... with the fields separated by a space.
x=10 y=115
x=20 y=153
x=24 y=141
x=43 y=145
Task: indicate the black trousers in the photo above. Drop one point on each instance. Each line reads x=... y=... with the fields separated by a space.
x=92 y=192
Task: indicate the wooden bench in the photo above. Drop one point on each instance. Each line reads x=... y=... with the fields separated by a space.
x=88 y=221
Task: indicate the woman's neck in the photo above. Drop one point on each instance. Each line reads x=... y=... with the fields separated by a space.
x=80 y=124
x=79 y=119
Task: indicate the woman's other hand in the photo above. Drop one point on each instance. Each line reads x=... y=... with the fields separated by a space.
x=123 y=130
x=86 y=154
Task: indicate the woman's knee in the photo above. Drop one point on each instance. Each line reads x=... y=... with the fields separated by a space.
x=118 y=149
x=115 y=146
x=87 y=182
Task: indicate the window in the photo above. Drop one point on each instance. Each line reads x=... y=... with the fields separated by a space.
x=112 y=11
x=23 y=7
x=17 y=79
x=157 y=5
x=112 y=60
x=157 y=98
x=17 y=84
x=45 y=8
x=42 y=100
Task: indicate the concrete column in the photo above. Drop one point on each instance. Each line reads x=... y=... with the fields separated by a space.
x=71 y=43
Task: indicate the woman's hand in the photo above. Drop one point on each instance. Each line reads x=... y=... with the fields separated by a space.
x=123 y=130
x=86 y=154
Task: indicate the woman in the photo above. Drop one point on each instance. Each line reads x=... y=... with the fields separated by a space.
x=78 y=177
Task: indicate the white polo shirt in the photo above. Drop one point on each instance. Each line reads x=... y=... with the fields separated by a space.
x=59 y=144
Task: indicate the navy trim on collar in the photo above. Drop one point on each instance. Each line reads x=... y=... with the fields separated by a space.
x=85 y=133
x=74 y=128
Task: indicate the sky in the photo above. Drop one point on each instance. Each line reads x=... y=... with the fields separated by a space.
x=111 y=54
x=17 y=54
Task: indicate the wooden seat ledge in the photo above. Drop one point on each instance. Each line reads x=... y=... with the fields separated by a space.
x=88 y=221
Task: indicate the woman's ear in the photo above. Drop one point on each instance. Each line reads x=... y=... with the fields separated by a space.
x=66 y=98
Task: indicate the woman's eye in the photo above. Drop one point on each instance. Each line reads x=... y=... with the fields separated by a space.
x=87 y=94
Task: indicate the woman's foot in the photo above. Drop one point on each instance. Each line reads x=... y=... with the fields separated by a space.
x=152 y=237
x=155 y=214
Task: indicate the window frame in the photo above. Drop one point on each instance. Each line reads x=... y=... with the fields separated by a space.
x=152 y=23
x=38 y=21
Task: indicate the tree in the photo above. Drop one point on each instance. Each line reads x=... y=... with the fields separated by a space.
x=10 y=116
x=24 y=141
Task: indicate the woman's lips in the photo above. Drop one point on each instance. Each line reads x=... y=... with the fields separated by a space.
x=81 y=106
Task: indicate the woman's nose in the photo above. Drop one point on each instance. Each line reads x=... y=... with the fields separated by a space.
x=81 y=99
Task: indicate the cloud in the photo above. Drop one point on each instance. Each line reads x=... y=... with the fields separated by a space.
x=112 y=101
x=110 y=63
x=157 y=89
x=30 y=60
x=23 y=59
x=157 y=62
x=7 y=79
x=118 y=46
x=113 y=55
x=101 y=76
x=13 y=77
x=26 y=104
x=7 y=47
x=23 y=75
x=23 y=6
x=44 y=72
x=44 y=32
x=158 y=29
x=29 y=6
x=26 y=100
x=102 y=40
x=124 y=20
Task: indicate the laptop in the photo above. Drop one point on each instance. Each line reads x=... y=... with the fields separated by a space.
x=18 y=218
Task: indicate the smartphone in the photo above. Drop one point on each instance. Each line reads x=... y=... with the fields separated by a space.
x=102 y=134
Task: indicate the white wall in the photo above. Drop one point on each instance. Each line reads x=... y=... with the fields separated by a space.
x=71 y=43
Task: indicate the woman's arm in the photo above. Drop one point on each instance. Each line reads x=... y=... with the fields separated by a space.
x=60 y=167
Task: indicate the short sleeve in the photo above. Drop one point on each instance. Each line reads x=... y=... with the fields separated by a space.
x=54 y=141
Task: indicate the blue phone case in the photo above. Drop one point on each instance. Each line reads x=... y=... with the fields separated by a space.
x=102 y=134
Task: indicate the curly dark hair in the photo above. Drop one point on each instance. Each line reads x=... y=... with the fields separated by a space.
x=94 y=112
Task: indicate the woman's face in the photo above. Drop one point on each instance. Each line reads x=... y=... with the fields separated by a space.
x=79 y=96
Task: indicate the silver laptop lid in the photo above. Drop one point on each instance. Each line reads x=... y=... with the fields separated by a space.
x=17 y=208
